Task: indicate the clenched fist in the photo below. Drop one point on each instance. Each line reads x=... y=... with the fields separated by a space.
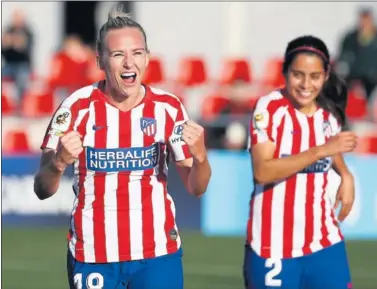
x=70 y=147
x=341 y=143
x=193 y=136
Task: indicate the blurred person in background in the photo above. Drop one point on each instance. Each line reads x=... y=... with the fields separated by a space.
x=357 y=61
x=16 y=50
x=226 y=116
x=119 y=135
x=293 y=235
x=70 y=66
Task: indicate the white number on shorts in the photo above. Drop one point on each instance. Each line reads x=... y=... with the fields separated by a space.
x=77 y=279
x=270 y=276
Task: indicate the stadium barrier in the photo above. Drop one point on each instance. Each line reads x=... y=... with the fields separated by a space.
x=222 y=211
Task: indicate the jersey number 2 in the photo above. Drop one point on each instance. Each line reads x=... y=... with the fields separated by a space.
x=77 y=280
x=270 y=279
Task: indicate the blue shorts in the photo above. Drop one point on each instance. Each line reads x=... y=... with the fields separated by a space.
x=164 y=272
x=325 y=269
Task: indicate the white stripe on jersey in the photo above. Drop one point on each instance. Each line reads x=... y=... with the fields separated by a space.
x=87 y=212
x=278 y=195
x=111 y=185
x=318 y=188
x=300 y=196
x=172 y=207
x=159 y=216
x=134 y=189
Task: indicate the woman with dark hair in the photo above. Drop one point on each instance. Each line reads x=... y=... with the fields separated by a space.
x=293 y=235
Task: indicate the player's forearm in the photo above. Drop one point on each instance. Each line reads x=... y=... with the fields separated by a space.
x=340 y=166
x=199 y=176
x=47 y=180
x=278 y=169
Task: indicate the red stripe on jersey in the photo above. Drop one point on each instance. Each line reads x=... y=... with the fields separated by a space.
x=169 y=126
x=149 y=244
x=267 y=201
x=250 y=222
x=171 y=245
x=171 y=100
x=309 y=210
x=99 y=187
x=324 y=241
x=123 y=202
x=79 y=248
x=290 y=189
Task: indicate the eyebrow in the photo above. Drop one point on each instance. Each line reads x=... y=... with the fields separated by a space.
x=314 y=72
x=133 y=50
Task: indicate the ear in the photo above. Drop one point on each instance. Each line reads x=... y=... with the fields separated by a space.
x=147 y=58
x=100 y=62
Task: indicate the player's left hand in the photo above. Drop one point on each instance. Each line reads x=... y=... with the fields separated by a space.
x=346 y=196
x=193 y=135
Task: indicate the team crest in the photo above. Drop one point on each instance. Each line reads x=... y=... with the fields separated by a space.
x=148 y=126
x=327 y=131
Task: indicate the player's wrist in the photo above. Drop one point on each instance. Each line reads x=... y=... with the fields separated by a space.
x=200 y=159
x=320 y=152
x=58 y=165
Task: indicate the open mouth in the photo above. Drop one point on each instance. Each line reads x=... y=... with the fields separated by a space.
x=128 y=77
x=305 y=94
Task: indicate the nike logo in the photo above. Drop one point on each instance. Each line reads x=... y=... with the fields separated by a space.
x=95 y=127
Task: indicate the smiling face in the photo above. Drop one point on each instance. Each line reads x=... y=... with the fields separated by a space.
x=124 y=59
x=305 y=79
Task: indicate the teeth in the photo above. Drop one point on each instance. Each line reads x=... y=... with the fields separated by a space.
x=128 y=74
x=305 y=93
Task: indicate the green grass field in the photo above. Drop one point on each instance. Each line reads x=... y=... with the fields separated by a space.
x=34 y=258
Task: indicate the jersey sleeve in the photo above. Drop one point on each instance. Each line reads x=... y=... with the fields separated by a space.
x=262 y=127
x=179 y=148
x=335 y=126
x=60 y=123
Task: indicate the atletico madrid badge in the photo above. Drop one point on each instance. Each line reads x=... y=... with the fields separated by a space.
x=148 y=126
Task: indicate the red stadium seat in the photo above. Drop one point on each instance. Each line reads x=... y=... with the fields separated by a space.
x=357 y=104
x=192 y=71
x=236 y=69
x=16 y=141
x=7 y=104
x=38 y=103
x=273 y=75
x=154 y=74
x=212 y=105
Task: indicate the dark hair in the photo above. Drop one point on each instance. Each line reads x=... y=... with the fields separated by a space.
x=118 y=18
x=333 y=96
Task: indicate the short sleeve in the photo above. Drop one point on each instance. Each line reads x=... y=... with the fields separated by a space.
x=261 y=126
x=60 y=123
x=179 y=148
x=335 y=126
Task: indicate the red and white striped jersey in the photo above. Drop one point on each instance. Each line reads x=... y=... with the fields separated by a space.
x=122 y=209
x=292 y=217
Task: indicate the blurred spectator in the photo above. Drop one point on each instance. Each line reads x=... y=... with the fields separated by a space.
x=70 y=66
x=16 y=49
x=226 y=117
x=357 y=61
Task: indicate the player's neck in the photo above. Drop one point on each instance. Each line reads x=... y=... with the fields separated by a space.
x=125 y=102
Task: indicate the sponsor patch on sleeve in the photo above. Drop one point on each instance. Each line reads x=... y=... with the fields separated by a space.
x=261 y=119
x=61 y=121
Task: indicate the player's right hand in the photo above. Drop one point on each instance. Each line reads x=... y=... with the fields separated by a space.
x=341 y=143
x=70 y=146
